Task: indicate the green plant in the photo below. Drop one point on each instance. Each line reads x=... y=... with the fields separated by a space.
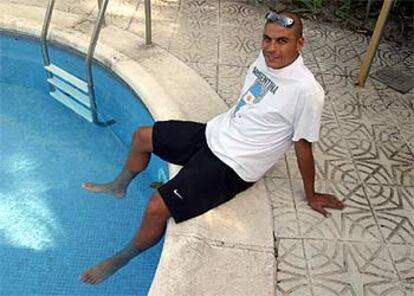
x=306 y=6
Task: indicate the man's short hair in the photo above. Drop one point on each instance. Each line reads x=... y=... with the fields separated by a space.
x=297 y=26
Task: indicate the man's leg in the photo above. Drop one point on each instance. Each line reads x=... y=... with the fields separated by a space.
x=151 y=229
x=138 y=158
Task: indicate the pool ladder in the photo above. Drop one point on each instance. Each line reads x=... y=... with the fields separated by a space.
x=75 y=93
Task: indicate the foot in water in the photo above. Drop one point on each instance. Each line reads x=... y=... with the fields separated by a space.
x=108 y=267
x=103 y=270
x=108 y=188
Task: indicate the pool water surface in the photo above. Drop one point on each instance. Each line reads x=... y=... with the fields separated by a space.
x=50 y=229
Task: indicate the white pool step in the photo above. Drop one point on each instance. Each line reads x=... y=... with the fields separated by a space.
x=66 y=76
x=72 y=104
x=70 y=91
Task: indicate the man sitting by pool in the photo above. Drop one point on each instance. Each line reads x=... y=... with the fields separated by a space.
x=280 y=104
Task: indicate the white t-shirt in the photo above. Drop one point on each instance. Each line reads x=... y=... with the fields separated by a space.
x=275 y=108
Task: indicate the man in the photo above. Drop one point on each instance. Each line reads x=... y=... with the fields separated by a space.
x=280 y=104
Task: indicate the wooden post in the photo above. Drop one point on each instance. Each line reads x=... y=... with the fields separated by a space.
x=373 y=43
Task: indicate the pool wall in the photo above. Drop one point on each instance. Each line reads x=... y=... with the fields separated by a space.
x=227 y=251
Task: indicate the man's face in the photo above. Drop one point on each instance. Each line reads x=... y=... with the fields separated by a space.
x=280 y=45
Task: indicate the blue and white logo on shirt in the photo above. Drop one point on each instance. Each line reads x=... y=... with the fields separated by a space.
x=257 y=91
x=252 y=96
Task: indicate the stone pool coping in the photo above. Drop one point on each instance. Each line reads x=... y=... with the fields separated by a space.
x=227 y=251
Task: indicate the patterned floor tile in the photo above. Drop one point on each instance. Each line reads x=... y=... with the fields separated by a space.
x=332 y=159
x=292 y=276
x=395 y=151
x=237 y=9
x=403 y=257
x=231 y=80
x=389 y=288
x=162 y=31
x=330 y=146
x=388 y=198
x=404 y=174
x=339 y=54
x=354 y=104
x=354 y=223
x=348 y=224
x=76 y=6
x=383 y=171
x=332 y=46
x=400 y=106
x=241 y=19
x=397 y=226
x=334 y=78
x=41 y=3
x=202 y=56
x=338 y=268
x=317 y=34
x=330 y=69
x=238 y=50
x=394 y=211
x=194 y=22
x=359 y=135
x=161 y=10
x=208 y=72
x=283 y=208
x=375 y=172
x=279 y=170
x=280 y=190
x=348 y=87
x=241 y=26
x=285 y=222
x=198 y=7
x=328 y=114
x=386 y=55
x=408 y=287
x=194 y=40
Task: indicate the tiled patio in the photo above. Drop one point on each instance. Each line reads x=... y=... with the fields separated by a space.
x=364 y=156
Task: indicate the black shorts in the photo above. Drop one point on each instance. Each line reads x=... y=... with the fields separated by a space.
x=204 y=182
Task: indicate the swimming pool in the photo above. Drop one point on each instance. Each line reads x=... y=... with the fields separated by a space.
x=50 y=229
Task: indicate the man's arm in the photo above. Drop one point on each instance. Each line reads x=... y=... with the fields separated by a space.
x=317 y=201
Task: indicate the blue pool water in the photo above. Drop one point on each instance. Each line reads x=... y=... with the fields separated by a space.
x=50 y=229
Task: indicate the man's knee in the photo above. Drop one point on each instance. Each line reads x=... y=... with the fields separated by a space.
x=142 y=138
x=157 y=209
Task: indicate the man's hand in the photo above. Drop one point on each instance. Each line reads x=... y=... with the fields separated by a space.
x=320 y=201
x=317 y=201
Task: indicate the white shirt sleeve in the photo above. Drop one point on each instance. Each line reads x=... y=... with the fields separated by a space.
x=307 y=118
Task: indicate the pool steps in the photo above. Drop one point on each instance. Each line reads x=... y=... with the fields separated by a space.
x=66 y=88
x=69 y=102
x=70 y=91
x=68 y=95
x=55 y=70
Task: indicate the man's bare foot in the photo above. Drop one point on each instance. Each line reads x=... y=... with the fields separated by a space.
x=108 y=188
x=103 y=270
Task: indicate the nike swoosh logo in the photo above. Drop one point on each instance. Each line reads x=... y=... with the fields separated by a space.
x=175 y=191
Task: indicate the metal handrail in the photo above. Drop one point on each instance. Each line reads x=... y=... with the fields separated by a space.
x=91 y=50
x=148 y=26
x=88 y=60
x=45 y=28
x=102 y=5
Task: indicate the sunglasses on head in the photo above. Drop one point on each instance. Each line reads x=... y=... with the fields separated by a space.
x=282 y=20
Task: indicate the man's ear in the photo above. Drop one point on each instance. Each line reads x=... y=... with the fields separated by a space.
x=300 y=43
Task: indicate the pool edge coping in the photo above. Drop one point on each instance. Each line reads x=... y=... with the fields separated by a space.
x=212 y=233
